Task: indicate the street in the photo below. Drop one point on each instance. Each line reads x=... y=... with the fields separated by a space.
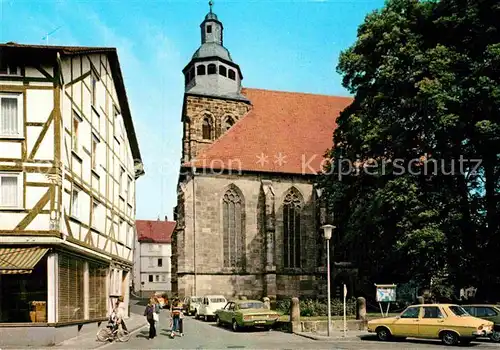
x=206 y=335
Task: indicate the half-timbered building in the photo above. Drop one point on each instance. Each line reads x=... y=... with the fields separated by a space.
x=69 y=160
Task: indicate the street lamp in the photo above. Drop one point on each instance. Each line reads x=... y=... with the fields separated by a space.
x=327 y=234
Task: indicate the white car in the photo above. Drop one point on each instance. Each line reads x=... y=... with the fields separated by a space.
x=191 y=305
x=208 y=306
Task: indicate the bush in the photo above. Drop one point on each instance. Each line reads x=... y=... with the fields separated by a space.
x=315 y=307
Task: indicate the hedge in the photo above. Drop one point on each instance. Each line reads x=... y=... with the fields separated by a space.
x=315 y=307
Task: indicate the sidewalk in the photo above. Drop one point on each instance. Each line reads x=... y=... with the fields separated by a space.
x=88 y=340
x=335 y=335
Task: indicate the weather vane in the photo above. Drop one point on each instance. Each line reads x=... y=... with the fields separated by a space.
x=210 y=3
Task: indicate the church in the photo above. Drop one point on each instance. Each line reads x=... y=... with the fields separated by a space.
x=249 y=213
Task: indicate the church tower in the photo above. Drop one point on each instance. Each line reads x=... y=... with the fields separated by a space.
x=213 y=101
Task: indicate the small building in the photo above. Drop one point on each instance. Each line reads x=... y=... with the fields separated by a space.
x=69 y=161
x=152 y=266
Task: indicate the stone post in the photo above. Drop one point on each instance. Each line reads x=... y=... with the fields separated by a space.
x=361 y=312
x=267 y=303
x=420 y=300
x=295 y=315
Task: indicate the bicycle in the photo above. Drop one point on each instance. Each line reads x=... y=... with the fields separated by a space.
x=112 y=333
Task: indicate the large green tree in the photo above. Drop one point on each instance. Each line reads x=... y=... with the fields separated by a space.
x=423 y=134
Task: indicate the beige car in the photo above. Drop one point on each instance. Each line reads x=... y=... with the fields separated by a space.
x=448 y=322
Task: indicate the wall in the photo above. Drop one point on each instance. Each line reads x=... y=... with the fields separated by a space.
x=207 y=239
x=147 y=265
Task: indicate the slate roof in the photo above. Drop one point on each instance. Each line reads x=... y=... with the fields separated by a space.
x=154 y=231
x=284 y=132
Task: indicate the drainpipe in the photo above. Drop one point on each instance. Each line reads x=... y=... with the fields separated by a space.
x=194 y=232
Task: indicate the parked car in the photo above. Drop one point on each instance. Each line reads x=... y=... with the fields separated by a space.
x=210 y=304
x=487 y=312
x=191 y=305
x=246 y=313
x=448 y=322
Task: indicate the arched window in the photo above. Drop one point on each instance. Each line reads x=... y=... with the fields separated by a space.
x=233 y=229
x=228 y=123
x=200 y=70
x=207 y=128
x=231 y=74
x=222 y=71
x=212 y=69
x=291 y=229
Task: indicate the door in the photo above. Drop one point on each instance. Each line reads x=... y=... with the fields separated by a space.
x=203 y=306
x=431 y=323
x=407 y=323
x=227 y=313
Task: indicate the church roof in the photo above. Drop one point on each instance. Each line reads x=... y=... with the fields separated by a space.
x=212 y=49
x=284 y=132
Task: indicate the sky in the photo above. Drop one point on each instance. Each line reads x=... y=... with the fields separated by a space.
x=286 y=45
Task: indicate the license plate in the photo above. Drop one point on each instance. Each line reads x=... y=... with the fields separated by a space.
x=260 y=321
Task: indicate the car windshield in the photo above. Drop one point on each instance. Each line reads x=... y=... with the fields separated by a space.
x=196 y=300
x=458 y=310
x=252 y=305
x=217 y=300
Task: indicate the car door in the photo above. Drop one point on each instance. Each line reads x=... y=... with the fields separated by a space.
x=431 y=322
x=203 y=307
x=407 y=323
x=227 y=312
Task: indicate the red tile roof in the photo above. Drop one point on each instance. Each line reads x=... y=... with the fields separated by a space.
x=154 y=231
x=284 y=132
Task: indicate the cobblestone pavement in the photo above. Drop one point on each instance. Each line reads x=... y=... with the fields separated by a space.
x=206 y=335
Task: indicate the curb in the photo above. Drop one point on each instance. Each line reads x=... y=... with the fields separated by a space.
x=326 y=338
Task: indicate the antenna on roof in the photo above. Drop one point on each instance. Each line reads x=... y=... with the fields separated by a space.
x=46 y=37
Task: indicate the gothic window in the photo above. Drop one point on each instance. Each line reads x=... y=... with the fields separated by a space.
x=228 y=123
x=291 y=230
x=207 y=128
x=232 y=227
x=231 y=74
x=200 y=70
x=212 y=69
x=222 y=71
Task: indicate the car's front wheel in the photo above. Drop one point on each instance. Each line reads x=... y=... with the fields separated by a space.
x=218 y=321
x=383 y=334
x=449 y=338
x=495 y=336
x=235 y=326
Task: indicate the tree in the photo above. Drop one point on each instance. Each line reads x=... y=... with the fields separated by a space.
x=425 y=76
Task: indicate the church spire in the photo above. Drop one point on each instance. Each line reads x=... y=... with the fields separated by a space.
x=211 y=28
x=210 y=3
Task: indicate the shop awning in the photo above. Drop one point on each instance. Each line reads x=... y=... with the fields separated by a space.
x=20 y=260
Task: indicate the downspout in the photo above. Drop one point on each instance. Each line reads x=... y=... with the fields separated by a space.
x=194 y=232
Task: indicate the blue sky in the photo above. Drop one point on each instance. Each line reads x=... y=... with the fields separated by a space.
x=279 y=45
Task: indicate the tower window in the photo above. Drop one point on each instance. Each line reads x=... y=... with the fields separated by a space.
x=200 y=70
x=209 y=29
x=231 y=74
x=223 y=71
x=228 y=123
x=207 y=128
x=212 y=69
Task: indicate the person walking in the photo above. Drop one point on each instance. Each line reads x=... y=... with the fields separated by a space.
x=176 y=315
x=149 y=313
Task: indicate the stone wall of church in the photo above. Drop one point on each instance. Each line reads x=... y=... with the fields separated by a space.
x=202 y=237
x=196 y=108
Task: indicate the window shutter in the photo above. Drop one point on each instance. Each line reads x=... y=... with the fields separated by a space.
x=97 y=291
x=71 y=300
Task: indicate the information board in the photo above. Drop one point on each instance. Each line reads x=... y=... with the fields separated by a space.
x=386 y=293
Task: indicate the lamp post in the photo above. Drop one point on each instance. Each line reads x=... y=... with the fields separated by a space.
x=327 y=234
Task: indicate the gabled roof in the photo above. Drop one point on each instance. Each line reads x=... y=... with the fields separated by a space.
x=34 y=53
x=154 y=231
x=284 y=132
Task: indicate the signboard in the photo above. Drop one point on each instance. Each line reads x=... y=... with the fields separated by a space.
x=386 y=293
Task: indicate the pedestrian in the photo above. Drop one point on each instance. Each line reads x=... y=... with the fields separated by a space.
x=156 y=314
x=120 y=312
x=149 y=313
x=176 y=316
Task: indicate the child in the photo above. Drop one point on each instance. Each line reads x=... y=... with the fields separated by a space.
x=176 y=317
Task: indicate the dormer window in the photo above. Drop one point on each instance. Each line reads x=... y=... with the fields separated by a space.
x=209 y=29
x=223 y=71
x=231 y=74
x=212 y=69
